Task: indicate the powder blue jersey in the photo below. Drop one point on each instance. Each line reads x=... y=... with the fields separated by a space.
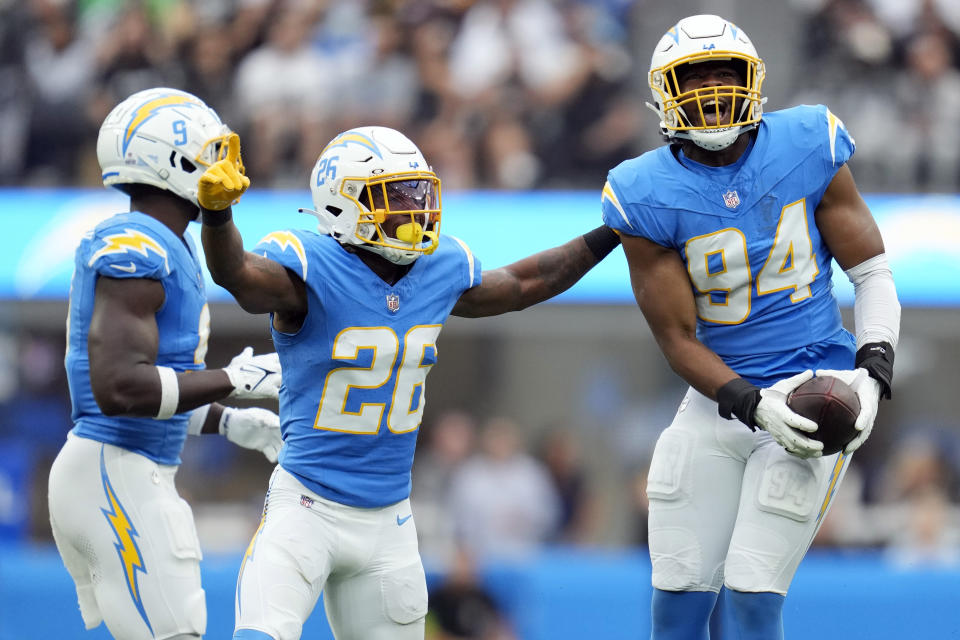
x=759 y=269
x=135 y=245
x=354 y=375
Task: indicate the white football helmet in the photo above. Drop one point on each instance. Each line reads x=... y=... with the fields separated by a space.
x=161 y=137
x=366 y=174
x=700 y=39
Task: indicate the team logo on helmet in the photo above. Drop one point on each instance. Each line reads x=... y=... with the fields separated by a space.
x=148 y=109
x=353 y=137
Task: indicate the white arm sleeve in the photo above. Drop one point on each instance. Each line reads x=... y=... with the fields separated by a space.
x=876 y=310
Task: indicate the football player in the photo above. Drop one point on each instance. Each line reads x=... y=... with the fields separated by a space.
x=729 y=232
x=137 y=336
x=356 y=311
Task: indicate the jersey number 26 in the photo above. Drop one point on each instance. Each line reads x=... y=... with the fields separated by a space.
x=406 y=402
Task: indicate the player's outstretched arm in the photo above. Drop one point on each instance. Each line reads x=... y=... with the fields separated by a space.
x=258 y=284
x=536 y=278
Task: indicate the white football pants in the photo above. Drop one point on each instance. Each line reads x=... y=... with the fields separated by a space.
x=128 y=540
x=731 y=506
x=365 y=561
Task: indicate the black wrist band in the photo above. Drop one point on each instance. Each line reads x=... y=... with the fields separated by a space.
x=877 y=359
x=739 y=398
x=213 y=218
x=601 y=241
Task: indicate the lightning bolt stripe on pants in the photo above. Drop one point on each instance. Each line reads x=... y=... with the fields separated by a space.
x=127 y=550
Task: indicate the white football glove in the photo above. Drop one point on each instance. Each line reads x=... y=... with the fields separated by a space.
x=254 y=377
x=868 y=392
x=253 y=428
x=775 y=417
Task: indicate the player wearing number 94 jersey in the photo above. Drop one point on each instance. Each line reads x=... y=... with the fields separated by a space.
x=356 y=312
x=729 y=233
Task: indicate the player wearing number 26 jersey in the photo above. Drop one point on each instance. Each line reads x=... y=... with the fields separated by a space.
x=730 y=232
x=353 y=403
x=356 y=312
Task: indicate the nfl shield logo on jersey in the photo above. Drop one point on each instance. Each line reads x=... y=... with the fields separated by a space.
x=393 y=302
x=731 y=199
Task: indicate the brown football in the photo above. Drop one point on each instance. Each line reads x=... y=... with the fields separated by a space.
x=833 y=405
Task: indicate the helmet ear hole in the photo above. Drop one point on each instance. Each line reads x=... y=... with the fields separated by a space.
x=335 y=211
x=186 y=165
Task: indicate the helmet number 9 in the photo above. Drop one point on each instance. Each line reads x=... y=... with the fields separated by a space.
x=180 y=129
x=327 y=169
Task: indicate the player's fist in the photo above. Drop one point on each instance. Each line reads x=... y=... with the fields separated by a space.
x=253 y=428
x=223 y=183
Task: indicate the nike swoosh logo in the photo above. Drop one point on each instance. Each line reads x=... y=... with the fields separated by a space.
x=130 y=268
x=400 y=520
x=252 y=368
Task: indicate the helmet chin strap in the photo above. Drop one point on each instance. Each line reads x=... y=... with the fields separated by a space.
x=392 y=254
x=715 y=139
x=718 y=139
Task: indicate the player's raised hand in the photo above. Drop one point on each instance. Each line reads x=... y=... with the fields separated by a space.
x=254 y=377
x=223 y=183
x=868 y=392
x=252 y=428
x=776 y=418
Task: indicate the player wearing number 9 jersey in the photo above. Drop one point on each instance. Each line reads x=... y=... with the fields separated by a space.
x=730 y=232
x=356 y=311
x=137 y=335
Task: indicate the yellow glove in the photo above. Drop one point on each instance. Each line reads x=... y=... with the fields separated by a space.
x=223 y=183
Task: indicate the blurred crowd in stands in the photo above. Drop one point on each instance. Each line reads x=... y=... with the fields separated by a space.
x=502 y=94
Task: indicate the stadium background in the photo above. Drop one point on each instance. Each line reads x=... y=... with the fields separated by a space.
x=521 y=122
